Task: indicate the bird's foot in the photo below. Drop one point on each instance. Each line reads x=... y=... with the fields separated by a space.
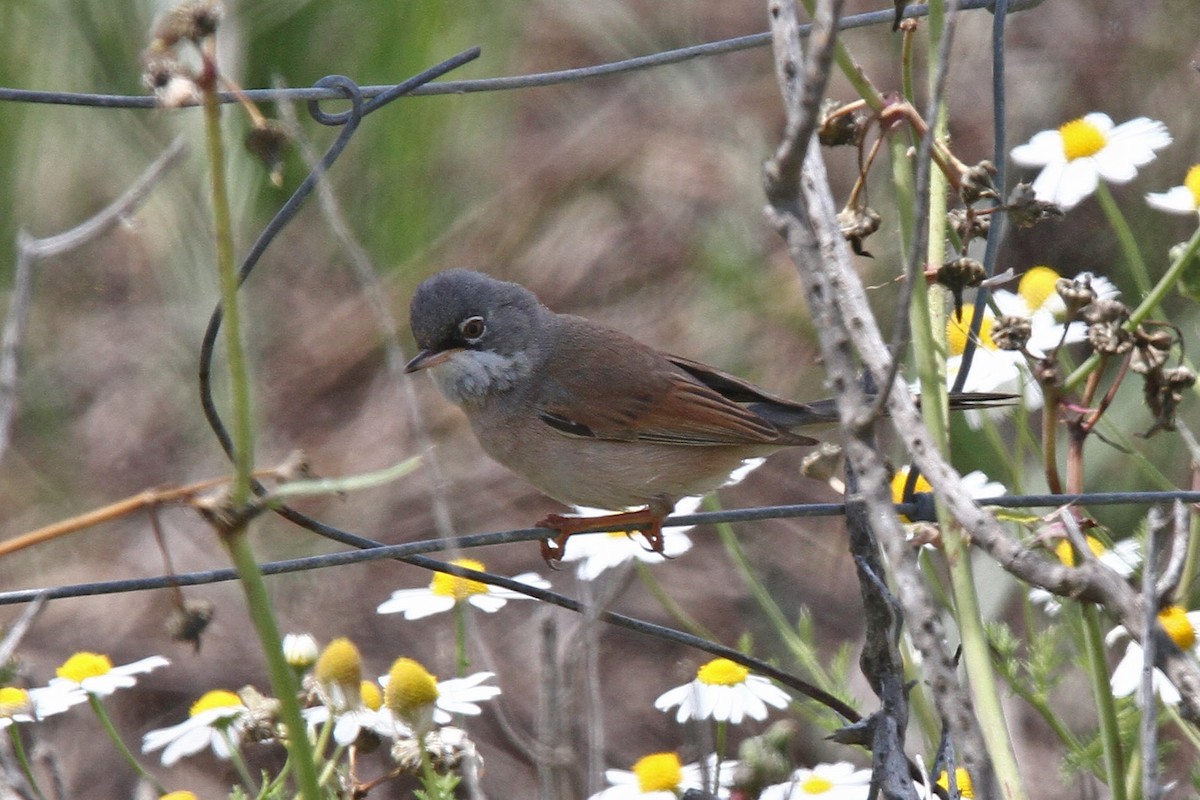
x=647 y=521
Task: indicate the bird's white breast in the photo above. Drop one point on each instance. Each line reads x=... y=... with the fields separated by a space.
x=469 y=376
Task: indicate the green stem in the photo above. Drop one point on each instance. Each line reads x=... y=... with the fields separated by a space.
x=1106 y=707
x=977 y=658
x=26 y=767
x=107 y=724
x=242 y=432
x=1125 y=238
x=850 y=69
x=801 y=650
x=239 y=763
x=1148 y=304
x=685 y=620
x=283 y=679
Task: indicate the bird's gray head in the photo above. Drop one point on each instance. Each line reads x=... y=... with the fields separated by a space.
x=477 y=335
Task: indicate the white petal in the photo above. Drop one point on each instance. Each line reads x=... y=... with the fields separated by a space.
x=189 y=743
x=1128 y=674
x=1176 y=200
x=673 y=697
x=488 y=602
x=527 y=578
x=1042 y=149
x=1076 y=180
x=415 y=603
x=1115 y=166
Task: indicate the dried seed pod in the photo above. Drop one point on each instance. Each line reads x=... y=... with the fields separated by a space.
x=1012 y=332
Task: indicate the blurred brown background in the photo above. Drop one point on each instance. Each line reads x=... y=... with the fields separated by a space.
x=633 y=199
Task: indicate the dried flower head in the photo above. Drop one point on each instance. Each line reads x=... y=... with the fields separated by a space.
x=977 y=183
x=1109 y=338
x=1025 y=210
x=1012 y=332
x=268 y=143
x=1151 y=349
x=191 y=20
x=857 y=224
x=961 y=273
x=1106 y=310
x=449 y=748
x=969 y=225
x=189 y=620
x=1163 y=391
x=172 y=83
x=839 y=127
x=1075 y=292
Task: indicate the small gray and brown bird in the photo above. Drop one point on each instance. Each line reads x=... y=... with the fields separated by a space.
x=591 y=416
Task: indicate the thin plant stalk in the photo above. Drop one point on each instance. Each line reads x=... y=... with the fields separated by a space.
x=23 y=759
x=119 y=743
x=1125 y=238
x=1096 y=666
x=283 y=680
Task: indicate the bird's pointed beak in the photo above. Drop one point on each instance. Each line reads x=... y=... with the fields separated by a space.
x=429 y=358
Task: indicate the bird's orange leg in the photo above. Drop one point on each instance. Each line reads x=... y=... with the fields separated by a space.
x=648 y=520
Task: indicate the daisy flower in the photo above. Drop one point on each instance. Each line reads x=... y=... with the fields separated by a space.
x=840 y=781
x=1122 y=558
x=597 y=552
x=992 y=369
x=417 y=698
x=1183 y=199
x=369 y=716
x=976 y=483
x=1038 y=300
x=95 y=674
x=446 y=591
x=300 y=650
x=338 y=675
x=661 y=776
x=1182 y=626
x=214 y=721
x=725 y=691
x=27 y=705
x=1075 y=157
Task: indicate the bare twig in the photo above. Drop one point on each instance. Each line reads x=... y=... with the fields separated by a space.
x=31 y=250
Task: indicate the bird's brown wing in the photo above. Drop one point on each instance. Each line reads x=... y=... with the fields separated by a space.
x=636 y=393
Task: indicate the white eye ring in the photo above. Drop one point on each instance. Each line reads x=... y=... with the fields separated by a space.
x=472 y=328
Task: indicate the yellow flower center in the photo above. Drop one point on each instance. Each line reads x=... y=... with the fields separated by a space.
x=1066 y=553
x=372 y=695
x=816 y=785
x=340 y=664
x=446 y=585
x=1037 y=286
x=957 y=331
x=85 y=665
x=14 y=701
x=1192 y=182
x=217 y=698
x=961 y=779
x=182 y=795
x=722 y=672
x=900 y=480
x=1081 y=139
x=658 y=772
x=410 y=687
x=1175 y=622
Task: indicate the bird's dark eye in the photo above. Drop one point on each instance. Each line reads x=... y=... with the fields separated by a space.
x=472 y=328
